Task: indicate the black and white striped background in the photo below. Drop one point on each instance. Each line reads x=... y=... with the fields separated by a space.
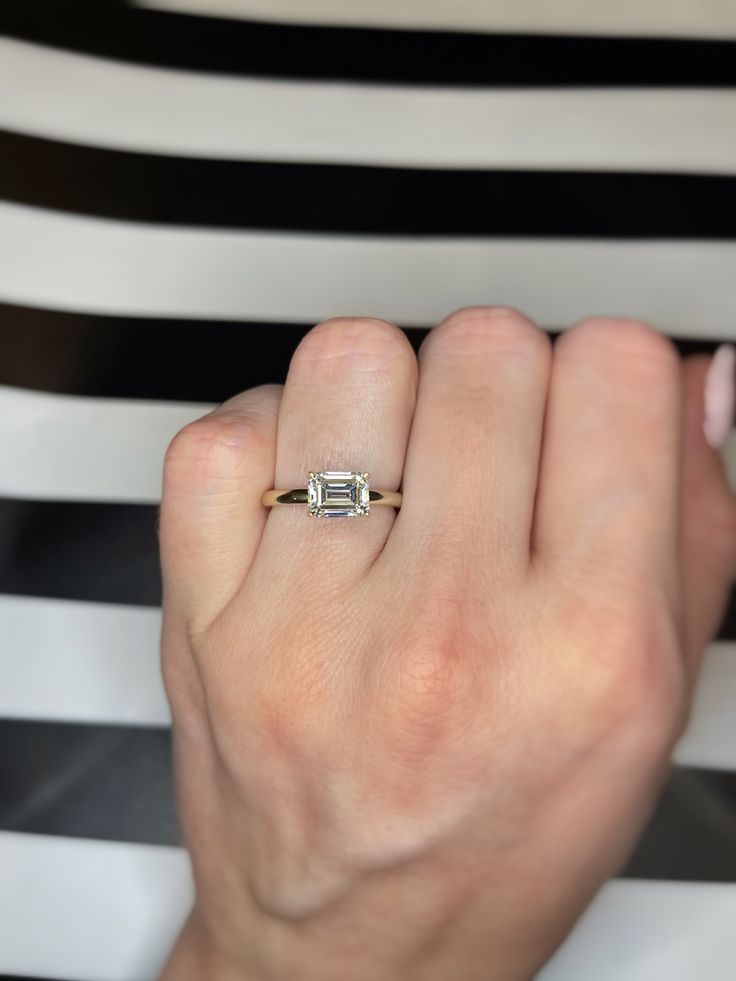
x=182 y=177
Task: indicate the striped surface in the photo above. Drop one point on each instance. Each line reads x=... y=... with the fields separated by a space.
x=182 y=177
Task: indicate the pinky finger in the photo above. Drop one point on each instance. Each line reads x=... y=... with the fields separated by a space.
x=708 y=521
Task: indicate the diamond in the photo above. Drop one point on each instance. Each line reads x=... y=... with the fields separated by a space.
x=338 y=494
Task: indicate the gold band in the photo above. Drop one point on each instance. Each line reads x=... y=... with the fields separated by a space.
x=276 y=497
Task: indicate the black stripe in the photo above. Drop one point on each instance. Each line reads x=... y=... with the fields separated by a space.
x=692 y=834
x=358 y=199
x=85 y=551
x=112 y=782
x=154 y=358
x=182 y=360
x=171 y=40
x=115 y=783
x=100 y=552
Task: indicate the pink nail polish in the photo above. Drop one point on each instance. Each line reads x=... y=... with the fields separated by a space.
x=720 y=396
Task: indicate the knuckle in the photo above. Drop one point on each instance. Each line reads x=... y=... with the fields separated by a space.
x=621 y=683
x=427 y=672
x=371 y=342
x=481 y=330
x=635 y=684
x=219 y=446
x=433 y=666
x=635 y=341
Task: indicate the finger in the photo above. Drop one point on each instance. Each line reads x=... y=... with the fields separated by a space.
x=473 y=456
x=215 y=472
x=347 y=405
x=708 y=528
x=609 y=481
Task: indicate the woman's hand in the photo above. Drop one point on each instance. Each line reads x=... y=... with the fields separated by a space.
x=413 y=745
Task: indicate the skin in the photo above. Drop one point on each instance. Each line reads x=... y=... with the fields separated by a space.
x=413 y=746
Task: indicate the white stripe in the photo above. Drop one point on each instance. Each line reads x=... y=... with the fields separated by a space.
x=88 y=910
x=99 y=663
x=87 y=100
x=64 y=447
x=652 y=931
x=52 y=259
x=69 y=661
x=103 y=911
x=663 y=18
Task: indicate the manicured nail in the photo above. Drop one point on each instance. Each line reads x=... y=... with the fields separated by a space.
x=720 y=396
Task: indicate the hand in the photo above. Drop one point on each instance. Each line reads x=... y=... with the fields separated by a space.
x=413 y=745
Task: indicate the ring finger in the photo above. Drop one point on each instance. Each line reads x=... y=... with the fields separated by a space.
x=347 y=405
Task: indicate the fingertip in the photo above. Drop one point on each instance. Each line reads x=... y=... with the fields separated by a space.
x=719 y=396
x=708 y=407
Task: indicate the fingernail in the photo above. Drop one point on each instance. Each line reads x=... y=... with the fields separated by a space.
x=720 y=396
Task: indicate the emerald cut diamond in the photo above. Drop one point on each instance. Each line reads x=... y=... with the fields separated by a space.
x=338 y=494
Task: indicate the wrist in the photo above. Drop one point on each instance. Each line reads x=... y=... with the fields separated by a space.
x=388 y=934
x=196 y=955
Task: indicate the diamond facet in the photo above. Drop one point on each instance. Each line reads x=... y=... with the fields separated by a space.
x=338 y=494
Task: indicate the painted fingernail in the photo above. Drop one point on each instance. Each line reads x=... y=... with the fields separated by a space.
x=720 y=396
